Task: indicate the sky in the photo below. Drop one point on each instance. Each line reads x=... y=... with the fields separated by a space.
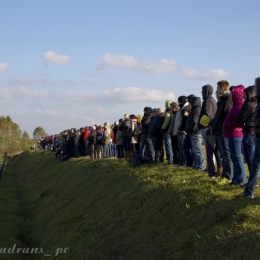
x=67 y=64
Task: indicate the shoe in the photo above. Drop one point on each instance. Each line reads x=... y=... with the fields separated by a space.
x=219 y=171
x=213 y=176
x=244 y=195
x=244 y=185
x=223 y=181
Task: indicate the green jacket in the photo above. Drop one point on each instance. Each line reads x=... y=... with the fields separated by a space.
x=167 y=115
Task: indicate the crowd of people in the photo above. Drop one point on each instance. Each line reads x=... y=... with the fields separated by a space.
x=228 y=125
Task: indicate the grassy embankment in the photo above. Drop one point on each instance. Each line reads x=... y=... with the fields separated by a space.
x=106 y=209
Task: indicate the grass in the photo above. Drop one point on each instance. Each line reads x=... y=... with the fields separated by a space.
x=106 y=209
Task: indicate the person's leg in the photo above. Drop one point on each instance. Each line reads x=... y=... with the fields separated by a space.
x=225 y=155
x=158 y=146
x=142 y=144
x=210 y=161
x=249 y=148
x=187 y=151
x=181 y=137
x=196 y=149
x=234 y=145
x=150 y=149
x=204 y=138
x=253 y=178
x=175 y=149
x=168 y=148
x=218 y=160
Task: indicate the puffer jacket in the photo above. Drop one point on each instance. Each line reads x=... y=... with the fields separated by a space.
x=209 y=104
x=193 y=118
x=223 y=107
x=246 y=117
x=231 y=126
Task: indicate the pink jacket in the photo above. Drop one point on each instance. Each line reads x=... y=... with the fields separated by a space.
x=231 y=127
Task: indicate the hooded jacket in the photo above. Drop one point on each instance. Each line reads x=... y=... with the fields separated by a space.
x=179 y=119
x=246 y=116
x=231 y=126
x=193 y=118
x=223 y=107
x=167 y=118
x=209 y=104
x=146 y=120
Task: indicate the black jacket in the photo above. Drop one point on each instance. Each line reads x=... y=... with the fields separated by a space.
x=223 y=107
x=75 y=137
x=246 y=116
x=193 y=118
x=146 y=120
x=92 y=138
x=209 y=104
x=125 y=127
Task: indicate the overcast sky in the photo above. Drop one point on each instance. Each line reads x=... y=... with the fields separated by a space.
x=74 y=63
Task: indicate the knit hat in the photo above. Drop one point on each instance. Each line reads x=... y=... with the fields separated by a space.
x=204 y=120
x=126 y=116
x=182 y=99
x=174 y=104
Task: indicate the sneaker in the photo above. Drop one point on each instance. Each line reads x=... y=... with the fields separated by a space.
x=223 y=181
x=244 y=195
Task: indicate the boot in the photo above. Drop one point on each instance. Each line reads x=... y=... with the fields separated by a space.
x=126 y=155
x=219 y=171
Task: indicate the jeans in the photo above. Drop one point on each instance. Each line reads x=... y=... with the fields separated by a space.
x=249 y=148
x=127 y=143
x=187 y=151
x=168 y=148
x=111 y=150
x=234 y=144
x=198 y=157
x=181 y=137
x=76 y=150
x=105 y=151
x=253 y=178
x=143 y=142
x=222 y=143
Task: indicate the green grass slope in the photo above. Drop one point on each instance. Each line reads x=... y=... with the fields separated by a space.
x=106 y=209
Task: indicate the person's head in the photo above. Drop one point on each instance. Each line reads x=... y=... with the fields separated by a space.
x=116 y=123
x=132 y=117
x=206 y=91
x=126 y=116
x=154 y=112
x=93 y=128
x=168 y=104
x=190 y=97
x=159 y=111
x=222 y=88
x=181 y=101
x=147 y=110
x=120 y=121
x=139 y=118
x=174 y=107
x=106 y=125
x=257 y=87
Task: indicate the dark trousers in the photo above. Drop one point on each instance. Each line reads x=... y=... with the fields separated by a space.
x=187 y=151
x=159 y=149
x=175 y=149
x=120 y=151
x=127 y=143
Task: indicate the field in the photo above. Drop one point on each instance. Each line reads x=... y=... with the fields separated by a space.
x=107 y=209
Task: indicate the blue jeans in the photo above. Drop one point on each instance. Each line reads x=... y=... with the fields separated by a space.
x=111 y=150
x=234 y=144
x=75 y=150
x=168 y=148
x=253 y=178
x=105 y=151
x=181 y=137
x=249 y=148
x=143 y=142
x=187 y=151
x=127 y=143
x=222 y=143
x=198 y=157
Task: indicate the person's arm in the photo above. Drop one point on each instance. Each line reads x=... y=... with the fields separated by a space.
x=244 y=113
x=166 y=120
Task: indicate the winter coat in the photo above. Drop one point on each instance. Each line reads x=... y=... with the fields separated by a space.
x=133 y=128
x=171 y=127
x=119 y=140
x=92 y=138
x=87 y=132
x=193 y=118
x=223 y=107
x=179 y=118
x=231 y=126
x=107 y=135
x=209 y=104
x=167 y=118
x=75 y=137
x=126 y=127
x=146 y=120
x=246 y=116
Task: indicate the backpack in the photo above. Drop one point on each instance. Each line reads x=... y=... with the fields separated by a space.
x=137 y=159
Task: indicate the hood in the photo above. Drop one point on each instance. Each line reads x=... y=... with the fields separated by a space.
x=168 y=104
x=148 y=110
x=250 y=93
x=238 y=94
x=195 y=102
x=257 y=86
x=207 y=90
x=106 y=125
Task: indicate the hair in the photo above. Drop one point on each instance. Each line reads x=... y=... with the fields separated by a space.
x=223 y=84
